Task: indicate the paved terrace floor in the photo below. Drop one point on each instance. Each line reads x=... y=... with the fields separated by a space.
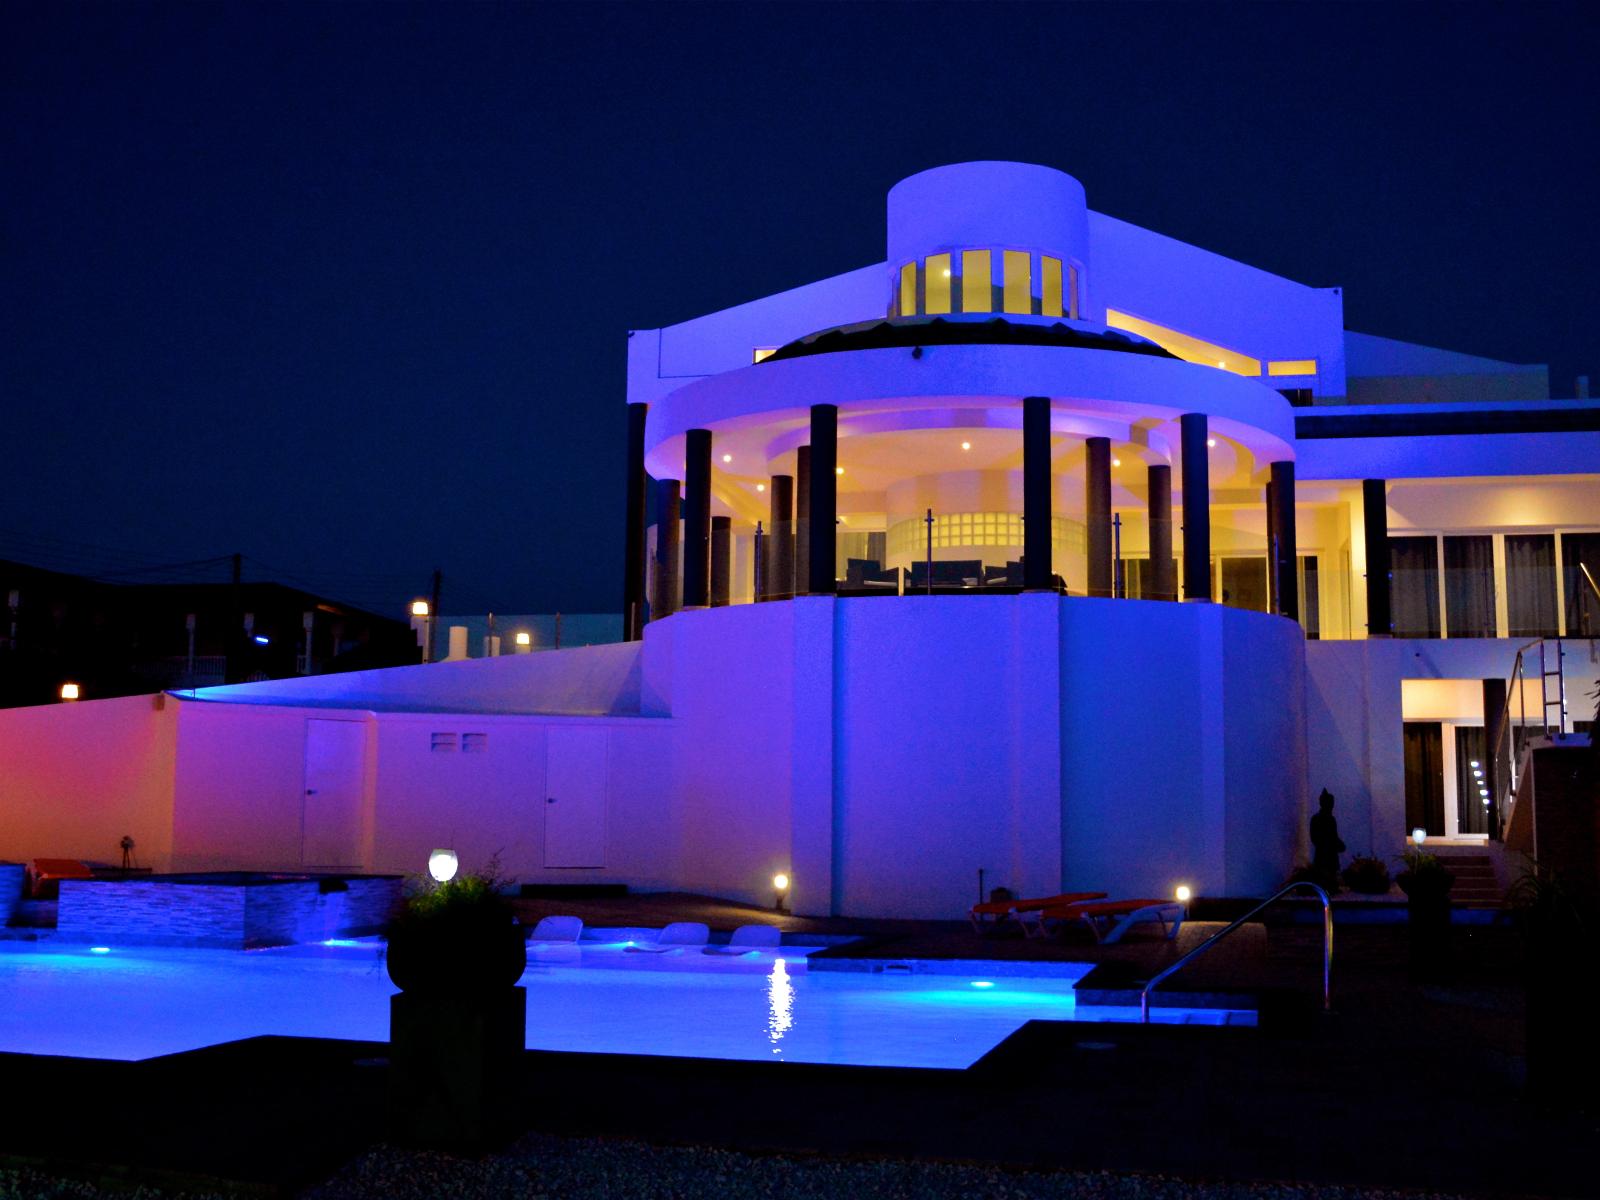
x=1406 y=1085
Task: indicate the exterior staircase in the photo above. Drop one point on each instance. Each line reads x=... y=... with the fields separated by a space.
x=1477 y=882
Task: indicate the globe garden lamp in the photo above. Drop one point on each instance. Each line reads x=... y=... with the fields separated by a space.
x=1418 y=836
x=442 y=865
x=780 y=888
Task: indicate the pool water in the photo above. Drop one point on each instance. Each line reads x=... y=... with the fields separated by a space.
x=139 y=1003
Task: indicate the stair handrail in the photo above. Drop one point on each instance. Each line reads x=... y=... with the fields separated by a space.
x=1327 y=947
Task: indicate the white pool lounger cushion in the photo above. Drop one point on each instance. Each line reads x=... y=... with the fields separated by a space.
x=679 y=935
x=557 y=931
x=748 y=938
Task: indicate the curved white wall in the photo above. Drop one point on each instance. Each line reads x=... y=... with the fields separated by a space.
x=882 y=751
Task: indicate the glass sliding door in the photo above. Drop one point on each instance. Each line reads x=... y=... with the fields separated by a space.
x=1310 y=599
x=1469 y=586
x=1414 y=588
x=1244 y=583
x=1579 y=550
x=1531 y=585
x=1425 y=777
x=1472 y=806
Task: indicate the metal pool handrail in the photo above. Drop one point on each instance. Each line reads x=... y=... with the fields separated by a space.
x=1327 y=948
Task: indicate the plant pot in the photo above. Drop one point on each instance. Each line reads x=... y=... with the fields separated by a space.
x=456 y=957
x=1428 y=920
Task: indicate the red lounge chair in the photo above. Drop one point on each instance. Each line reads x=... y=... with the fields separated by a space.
x=43 y=872
x=992 y=913
x=1109 y=920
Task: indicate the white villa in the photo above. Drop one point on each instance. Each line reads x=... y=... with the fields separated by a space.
x=1048 y=546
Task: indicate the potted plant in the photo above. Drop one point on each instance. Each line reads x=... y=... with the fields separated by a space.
x=458 y=938
x=1427 y=883
x=457 y=1029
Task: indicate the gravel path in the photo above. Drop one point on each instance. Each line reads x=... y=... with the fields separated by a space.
x=546 y=1168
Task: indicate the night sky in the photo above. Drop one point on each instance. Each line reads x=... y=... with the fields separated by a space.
x=346 y=287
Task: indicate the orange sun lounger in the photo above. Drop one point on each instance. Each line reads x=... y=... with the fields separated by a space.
x=1109 y=920
x=45 y=871
x=991 y=913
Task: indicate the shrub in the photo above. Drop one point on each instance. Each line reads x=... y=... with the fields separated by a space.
x=1367 y=875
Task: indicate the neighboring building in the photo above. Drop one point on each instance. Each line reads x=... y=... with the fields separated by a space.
x=488 y=635
x=121 y=639
x=971 y=484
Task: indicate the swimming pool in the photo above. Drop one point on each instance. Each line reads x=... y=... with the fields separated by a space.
x=136 y=1003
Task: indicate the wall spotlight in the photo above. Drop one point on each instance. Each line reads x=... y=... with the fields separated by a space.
x=1211 y=443
x=838 y=470
x=524 y=638
x=1419 y=835
x=442 y=865
x=70 y=691
x=780 y=888
x=1183 y=893
x=419 y=608
x=1116 y=462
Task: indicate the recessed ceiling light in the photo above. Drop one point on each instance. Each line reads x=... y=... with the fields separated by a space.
x=966 y=445
x=727 y=458
x=1116 y=462
x=761 y=487
x=1212 y=442
x=838 y=470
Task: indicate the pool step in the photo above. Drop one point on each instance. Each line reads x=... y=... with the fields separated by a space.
x=1476 y=884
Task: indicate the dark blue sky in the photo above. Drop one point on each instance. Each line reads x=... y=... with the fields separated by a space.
x=345 y=287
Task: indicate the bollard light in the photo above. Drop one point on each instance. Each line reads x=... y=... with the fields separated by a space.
x=442 y=865
x=780 y=888
x=1183 y=893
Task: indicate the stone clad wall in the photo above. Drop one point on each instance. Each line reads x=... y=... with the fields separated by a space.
x=221 y=915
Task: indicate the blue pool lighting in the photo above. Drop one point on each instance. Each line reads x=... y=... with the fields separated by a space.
x=262 y=639
x=982 y=983
x=99 y=949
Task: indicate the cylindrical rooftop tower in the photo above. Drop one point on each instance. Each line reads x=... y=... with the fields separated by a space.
x=988 y=206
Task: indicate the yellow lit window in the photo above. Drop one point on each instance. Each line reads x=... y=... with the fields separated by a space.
x=1298 y=366
x=1019 y=282
x=908 y=290
x=762 y=353
x=1186 y=346
x=1050 y=286
x=976 y=293
x=1072 y=292
x=936 y=282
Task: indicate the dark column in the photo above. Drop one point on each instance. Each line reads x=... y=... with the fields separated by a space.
x=824 y=508
x=1196 y=508
x=1037 y=564
x=697 y=519
x=1288 y=547
x=664 y=600
x=1097 y=504
x=1496 y=750
x=721 y=559
x=1163 y=583
x=780 y=537
x=1270 y=499
x=802 y=518
x=1375 y=520
x=633 y=539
